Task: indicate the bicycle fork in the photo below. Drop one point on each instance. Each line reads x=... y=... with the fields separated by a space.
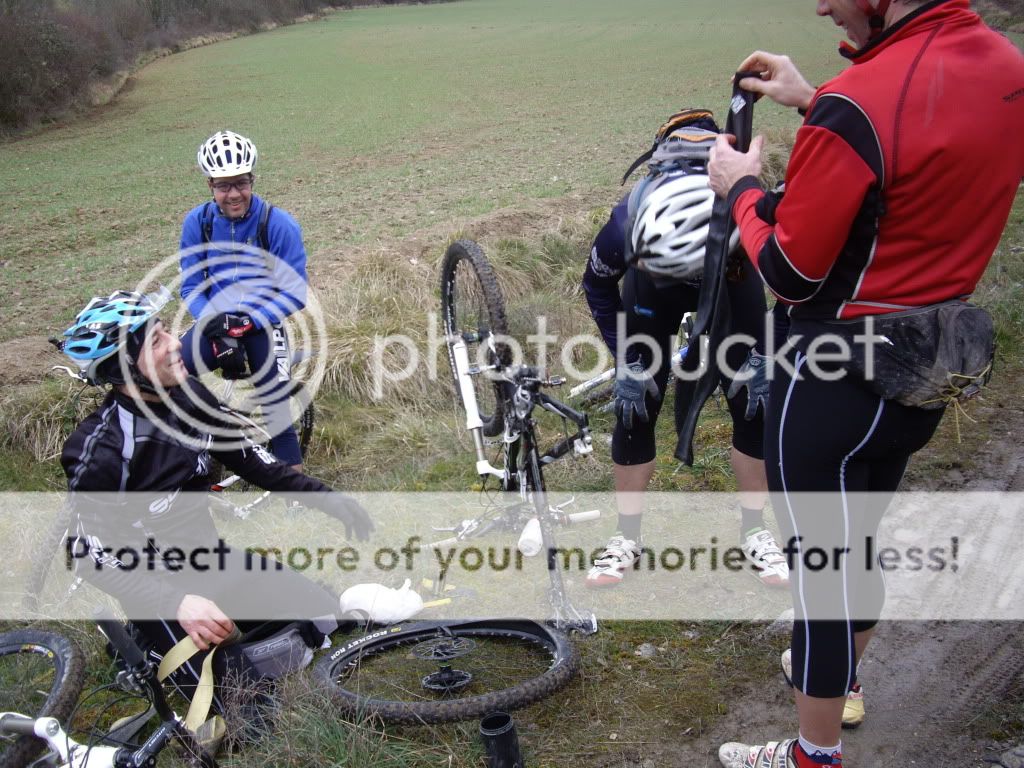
x=474 y=423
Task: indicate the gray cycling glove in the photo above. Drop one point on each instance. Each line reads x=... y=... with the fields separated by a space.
x=753 y=375
x=631 y=390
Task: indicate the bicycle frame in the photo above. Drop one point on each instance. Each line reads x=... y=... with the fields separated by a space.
x=522 y=469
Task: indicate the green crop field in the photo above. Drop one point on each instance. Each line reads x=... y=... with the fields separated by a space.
x=387 y=132
x=374 y=124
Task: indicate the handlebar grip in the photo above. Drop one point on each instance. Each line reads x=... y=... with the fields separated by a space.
x=119 y=640
x=18 y=725
x=582 y=517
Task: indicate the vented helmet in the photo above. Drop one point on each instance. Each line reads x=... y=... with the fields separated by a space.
x=670 y=217
x=226 y=154
x=105 y=326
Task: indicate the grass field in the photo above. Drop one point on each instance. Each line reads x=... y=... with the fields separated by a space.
x=388 y=131
x=373 y=124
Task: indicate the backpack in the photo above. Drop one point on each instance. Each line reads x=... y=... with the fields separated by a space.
x=682 y=140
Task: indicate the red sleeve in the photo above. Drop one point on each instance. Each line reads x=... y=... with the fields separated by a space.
x=826 y=182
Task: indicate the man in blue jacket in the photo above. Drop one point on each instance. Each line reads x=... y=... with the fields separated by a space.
x=243 y=270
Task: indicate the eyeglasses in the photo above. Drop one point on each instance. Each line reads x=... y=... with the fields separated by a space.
x=226 y=186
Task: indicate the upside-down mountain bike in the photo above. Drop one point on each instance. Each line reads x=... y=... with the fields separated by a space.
x=438 y=671
x=499 y=399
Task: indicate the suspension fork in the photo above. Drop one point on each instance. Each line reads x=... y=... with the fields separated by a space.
x=473 y=421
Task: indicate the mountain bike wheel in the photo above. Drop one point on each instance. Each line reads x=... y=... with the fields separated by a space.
x=439 y=672
x=40 y=676
x=241 y=499
x=472 y=307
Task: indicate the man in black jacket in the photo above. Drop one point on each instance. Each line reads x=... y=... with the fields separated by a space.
x=138 y=476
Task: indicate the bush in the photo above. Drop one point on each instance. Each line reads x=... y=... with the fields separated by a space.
x=46 y=59
x=50 y=52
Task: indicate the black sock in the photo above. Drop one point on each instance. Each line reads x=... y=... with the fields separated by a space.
x=629 y=526
x=752 y=520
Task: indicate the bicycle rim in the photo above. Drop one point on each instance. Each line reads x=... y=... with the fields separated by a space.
x=472 y=307
x=40 y=676
x=393 y=673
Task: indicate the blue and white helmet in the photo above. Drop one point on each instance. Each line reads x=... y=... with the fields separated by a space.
x=104 y=327
x=225 y=154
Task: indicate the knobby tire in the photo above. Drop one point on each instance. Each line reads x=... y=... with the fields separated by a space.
x=479 y=312
x=44 y=654
x=377 y=675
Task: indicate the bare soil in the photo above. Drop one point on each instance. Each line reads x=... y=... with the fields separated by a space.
x=27 y=360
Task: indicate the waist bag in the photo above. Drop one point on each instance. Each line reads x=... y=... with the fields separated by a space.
x=925 y=358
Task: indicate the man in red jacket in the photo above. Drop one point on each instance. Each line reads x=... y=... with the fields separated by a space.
x=897 y=192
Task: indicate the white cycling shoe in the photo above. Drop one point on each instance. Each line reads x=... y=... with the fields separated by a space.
x=767 y=559
x=611 y=566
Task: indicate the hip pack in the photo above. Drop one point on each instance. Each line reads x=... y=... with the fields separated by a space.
x=926 y=358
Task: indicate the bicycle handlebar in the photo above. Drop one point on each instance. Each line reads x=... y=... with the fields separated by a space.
x=17 y=725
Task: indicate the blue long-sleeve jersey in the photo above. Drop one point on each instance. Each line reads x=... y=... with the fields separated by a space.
x=605 y=268
x=225 y=279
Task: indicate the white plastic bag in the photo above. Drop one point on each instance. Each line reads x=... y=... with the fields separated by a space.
x=380 y=604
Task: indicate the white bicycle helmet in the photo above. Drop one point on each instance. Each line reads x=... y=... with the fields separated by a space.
x=226 y=154
x=670 y=215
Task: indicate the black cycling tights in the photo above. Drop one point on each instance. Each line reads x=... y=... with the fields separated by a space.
x=835 y=454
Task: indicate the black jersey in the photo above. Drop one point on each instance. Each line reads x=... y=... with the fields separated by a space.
x=138 y=489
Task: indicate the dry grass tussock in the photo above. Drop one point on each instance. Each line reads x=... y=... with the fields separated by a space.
x=386 y=295
x=38 y=418
x=307 y=727
x=382 y=297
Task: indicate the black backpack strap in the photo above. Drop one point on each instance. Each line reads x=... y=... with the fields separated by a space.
x=640 y=161
x=261 y=229
x=206 y=223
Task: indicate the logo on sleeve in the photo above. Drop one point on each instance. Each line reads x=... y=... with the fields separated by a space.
x=263 y=454
x=599 y=267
